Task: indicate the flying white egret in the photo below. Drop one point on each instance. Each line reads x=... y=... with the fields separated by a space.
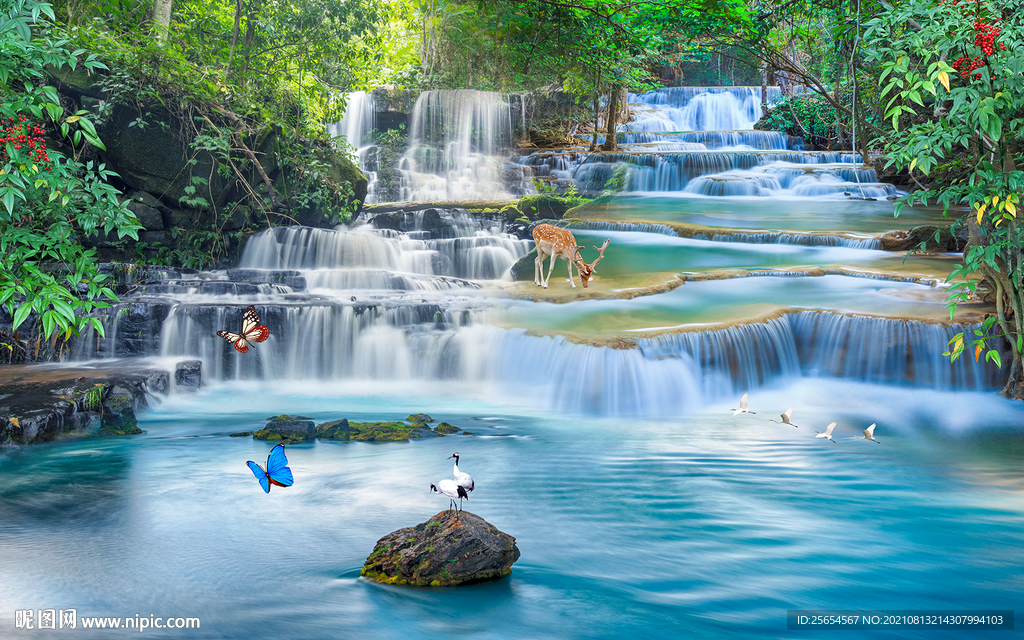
x=464 y=480
x=827 y=433
x=786 y=418
x=743 y=406
x=869 y=434
x=451 y=489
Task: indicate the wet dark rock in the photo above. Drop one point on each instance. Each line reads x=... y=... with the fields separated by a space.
x=149 y=217
x=440 y=263
x=287 y=430
x=118 y=417
x=524 y=268
x=39 y=403
x=176 y=218
x=240 y=434
x=148 y=200
x=448 y=549
x=188 y=375
x=154 y=237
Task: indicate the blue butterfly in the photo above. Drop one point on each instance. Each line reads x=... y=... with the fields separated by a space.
x=277 y=471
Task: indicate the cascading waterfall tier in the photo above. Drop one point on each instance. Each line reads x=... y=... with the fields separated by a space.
x=697 y=109
x=457 y=141
x=357 y=127
x=700 y=141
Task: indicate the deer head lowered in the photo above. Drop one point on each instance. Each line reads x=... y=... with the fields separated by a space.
x=560 y=243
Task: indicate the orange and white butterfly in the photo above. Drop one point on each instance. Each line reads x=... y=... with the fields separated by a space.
x=252 y=331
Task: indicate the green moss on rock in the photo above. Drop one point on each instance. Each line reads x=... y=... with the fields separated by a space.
x=446 y=428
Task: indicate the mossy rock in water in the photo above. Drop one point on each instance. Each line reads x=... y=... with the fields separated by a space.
x=389 y=431
x=419 y=418
x=287 y=429
x=449 y=549
x=335 y=430
x=118 y=413
x=445 y=428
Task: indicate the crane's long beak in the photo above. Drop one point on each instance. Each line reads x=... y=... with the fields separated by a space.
x=450 y=457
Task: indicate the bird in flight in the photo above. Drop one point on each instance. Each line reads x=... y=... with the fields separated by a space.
x=786 y=418
x=743 y=406
x=827 y=433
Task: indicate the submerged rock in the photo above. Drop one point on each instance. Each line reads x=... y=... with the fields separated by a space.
x=448 y=549
x=287 y=429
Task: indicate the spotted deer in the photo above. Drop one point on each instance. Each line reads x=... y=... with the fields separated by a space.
x=560 y=243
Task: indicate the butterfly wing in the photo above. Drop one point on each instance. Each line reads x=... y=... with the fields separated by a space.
x=260 y=474
x=277 y=467
x=252 y=330
x=237 y=340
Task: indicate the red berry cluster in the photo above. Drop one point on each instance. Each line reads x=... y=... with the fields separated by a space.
x=25 y=135
x=986 y=37
x=967 y=65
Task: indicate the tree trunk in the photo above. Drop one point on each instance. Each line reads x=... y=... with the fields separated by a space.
x=597 y=119
x=234 y=33
x=161 y=17
x=764 y=88
x=610 y=143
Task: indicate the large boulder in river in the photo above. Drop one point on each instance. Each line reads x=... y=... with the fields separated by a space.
x=287 y=429
x=524 y=268
x=448 y=549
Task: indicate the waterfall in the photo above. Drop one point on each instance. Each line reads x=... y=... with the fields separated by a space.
x=696 y=109
x=447 y=340
x=456 y=143
x=356 y=126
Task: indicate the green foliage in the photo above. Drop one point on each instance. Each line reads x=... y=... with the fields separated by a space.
x=49 y=198
x=970 y=109
x=809 y=116
x=582 y=46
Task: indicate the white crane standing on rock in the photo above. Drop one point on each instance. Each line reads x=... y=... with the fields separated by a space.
x=451 y=489
x=743 y=406
x=464 y=480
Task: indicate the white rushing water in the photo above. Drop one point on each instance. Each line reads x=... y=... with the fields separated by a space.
x=457 y=144
x=700 y=142
x=385 y=306
x=357 y=127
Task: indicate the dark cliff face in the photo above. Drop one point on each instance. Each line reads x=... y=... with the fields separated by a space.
x=448 y=549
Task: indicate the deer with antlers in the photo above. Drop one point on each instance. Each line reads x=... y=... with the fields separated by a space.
x=560 y=243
